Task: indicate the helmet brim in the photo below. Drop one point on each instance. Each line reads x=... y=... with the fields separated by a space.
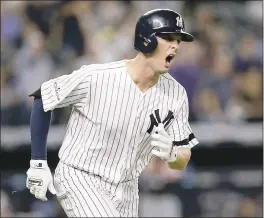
x=186 y=37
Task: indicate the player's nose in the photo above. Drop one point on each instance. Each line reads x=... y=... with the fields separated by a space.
x=175 y=45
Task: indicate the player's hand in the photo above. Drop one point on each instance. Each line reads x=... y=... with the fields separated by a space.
x=39 y=179
x=164 y=144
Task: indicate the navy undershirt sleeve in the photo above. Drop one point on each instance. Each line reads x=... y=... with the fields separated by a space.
x=39 y=128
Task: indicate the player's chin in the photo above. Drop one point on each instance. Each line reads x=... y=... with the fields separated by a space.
x=165 y=68
x=163 y=71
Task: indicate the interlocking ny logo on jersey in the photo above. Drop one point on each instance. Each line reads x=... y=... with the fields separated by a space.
x=155 y=120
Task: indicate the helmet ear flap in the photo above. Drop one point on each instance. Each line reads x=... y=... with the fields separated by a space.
x=145 y=39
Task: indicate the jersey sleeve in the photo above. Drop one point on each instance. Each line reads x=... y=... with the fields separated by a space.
x=180 y=129
x=67 y=90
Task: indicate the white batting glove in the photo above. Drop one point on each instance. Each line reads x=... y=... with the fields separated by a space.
x=39 y=179
x=164 y=144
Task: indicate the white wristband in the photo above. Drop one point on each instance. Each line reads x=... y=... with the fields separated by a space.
x=39 y=164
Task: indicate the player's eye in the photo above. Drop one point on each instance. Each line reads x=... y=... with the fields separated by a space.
x=164 y=36
x=169 y=37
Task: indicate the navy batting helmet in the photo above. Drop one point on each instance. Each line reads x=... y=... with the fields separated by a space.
x=158 y=21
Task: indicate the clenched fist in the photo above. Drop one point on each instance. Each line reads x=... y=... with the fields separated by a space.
x=163 y=144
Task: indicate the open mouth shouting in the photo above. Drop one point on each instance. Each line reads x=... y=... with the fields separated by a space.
x=169 y=59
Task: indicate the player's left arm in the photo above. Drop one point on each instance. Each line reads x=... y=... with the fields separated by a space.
x=183 y=158
x=174 y=145
x=176 y=155
x=183 y=137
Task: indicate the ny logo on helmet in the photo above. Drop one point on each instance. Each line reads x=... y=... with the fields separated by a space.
x=179 y=22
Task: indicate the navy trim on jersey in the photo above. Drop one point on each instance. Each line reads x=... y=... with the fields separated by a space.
x=184 y=141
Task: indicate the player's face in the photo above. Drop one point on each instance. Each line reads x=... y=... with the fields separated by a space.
x=167 y=49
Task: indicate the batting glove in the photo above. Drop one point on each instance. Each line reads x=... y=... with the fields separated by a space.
x=164 y=144
x=39 y=179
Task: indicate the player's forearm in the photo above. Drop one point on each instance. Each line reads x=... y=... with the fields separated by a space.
x=39 y=128
x=183 y=157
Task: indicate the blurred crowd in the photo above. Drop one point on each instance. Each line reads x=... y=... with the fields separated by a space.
x=221 y=70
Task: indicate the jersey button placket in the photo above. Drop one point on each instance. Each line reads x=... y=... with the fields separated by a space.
x=132 y=146
x=139 y=105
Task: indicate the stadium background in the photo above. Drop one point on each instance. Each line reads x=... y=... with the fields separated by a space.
x=222 y=72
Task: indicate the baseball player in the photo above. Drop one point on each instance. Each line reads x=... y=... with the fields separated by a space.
x=123 y=113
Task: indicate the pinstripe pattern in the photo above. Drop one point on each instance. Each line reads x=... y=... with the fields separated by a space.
x=180 y=129
x=90 y=201
x=64 y=194
x=107 y=136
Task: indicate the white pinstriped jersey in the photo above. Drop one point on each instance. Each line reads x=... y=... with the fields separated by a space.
x=108 y=133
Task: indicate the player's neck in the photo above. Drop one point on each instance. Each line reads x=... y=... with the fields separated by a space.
x=141 y=73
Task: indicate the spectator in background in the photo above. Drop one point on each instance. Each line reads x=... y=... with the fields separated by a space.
x=186 y=70
x=202 y=29
x=116 y=35
x=8 y=96
x=86 y=12
x=247 y=66
x=13 y=111
x=32 y=64
x=216 y=89
x=42 y=13
x=72 y=34
x=247 y=54
x=11 y=23
x=250 y=95
x=208 y=107
x=220 y=79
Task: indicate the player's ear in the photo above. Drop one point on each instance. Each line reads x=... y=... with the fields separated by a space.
x=36 y=94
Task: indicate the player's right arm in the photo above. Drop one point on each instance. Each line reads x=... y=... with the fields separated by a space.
x=67 y=90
